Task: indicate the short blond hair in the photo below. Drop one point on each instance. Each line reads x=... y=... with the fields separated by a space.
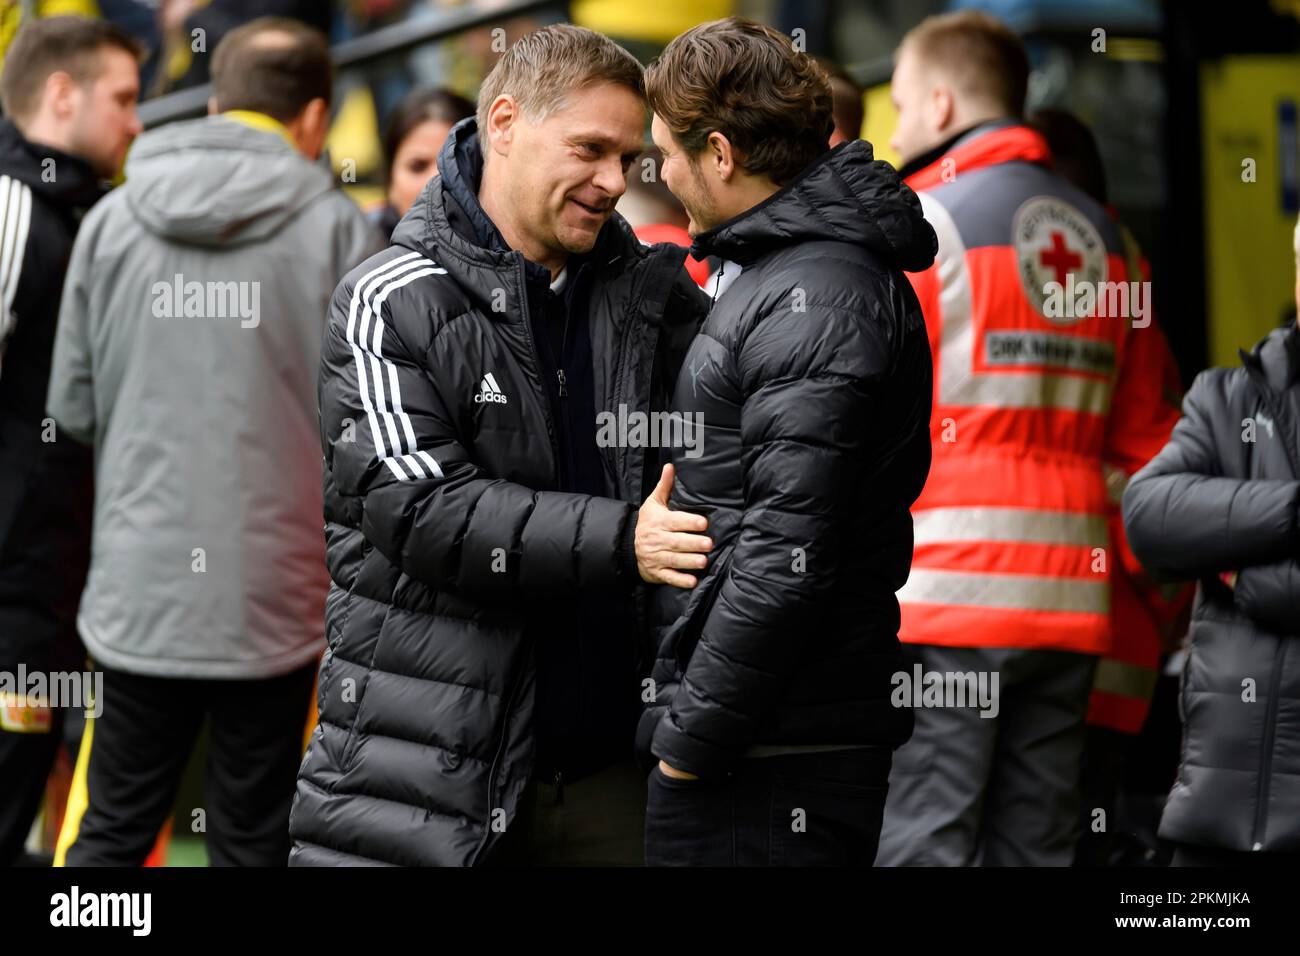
x=982 y=56
x=541 y=69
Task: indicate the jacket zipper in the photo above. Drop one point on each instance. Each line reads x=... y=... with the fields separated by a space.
x=555 y=454
x=533 y=353
x=560 y=359
x=1281 y=416
x=1265 y=777
x=496 y=759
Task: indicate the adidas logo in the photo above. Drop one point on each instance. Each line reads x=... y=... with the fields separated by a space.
x=490 y=391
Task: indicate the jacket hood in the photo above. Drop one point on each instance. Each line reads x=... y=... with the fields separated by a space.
x=73 y=183
x=217 y=182
x=1277 y=356
x=448 y=224
x=845 y=195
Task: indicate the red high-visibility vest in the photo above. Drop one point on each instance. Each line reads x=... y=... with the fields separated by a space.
x=1012 y=541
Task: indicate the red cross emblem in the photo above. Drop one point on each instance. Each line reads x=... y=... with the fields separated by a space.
x=1060 y=258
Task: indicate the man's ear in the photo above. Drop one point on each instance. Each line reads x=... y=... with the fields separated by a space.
x=501 y=118
x=61 y=94
x=942 y=107
x=310 y=128
x=721 y=155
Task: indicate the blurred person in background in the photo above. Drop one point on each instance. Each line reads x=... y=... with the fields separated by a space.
x=69 y=89
x=655 y=214
x=1011 y=575
x=1147 y=617
x=413 y=138
x=850 y=111
x=1220 y=505
x=187 y=23
x=812 y=376
x=15 y=13
x=187 y=351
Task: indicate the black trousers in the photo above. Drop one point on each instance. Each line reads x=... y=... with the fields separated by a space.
x=134 y=753
x=805 y=809
x=25 y=763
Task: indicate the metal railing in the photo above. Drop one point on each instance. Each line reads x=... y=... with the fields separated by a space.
x=384 y=42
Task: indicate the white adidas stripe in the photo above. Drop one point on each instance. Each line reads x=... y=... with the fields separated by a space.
x=362 y=386
x=15 y=222
x=403 y=264
x=378 y=305
x=370 y=293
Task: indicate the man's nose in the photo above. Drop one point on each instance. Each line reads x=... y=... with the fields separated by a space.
x=610 y=178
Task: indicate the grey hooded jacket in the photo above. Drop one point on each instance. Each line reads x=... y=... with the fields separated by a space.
x=187 y=349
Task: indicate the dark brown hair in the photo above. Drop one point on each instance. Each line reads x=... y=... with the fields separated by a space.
x=978 y=52
x=849 y=110
x=1074 y=150
x=272 y=65
x=421 y=105
x=44 y=47
x=747 y=82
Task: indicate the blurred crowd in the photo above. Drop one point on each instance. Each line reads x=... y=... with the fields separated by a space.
x=161 y=492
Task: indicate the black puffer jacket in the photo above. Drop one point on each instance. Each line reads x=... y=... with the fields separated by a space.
x=812 y=379
x=1222 y=497
x=46 y=479
x=447 y=544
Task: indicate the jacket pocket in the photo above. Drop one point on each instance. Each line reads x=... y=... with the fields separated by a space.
x=684 y=633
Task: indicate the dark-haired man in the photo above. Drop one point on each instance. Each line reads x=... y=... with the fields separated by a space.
x=773 y=728
x=187 y=348
x=69 y=90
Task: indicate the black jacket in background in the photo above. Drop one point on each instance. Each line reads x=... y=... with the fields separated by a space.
x=1221 y=497
x=449 y=542
x=46 y=487
x=812 y=376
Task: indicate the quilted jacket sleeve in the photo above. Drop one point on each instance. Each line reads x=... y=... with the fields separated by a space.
x=426 y=505
x=1186 y=519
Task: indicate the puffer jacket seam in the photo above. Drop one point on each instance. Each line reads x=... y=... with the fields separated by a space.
x=401 y=803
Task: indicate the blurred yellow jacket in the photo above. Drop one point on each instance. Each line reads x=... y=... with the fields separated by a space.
x=13 y=12
x=652 y=22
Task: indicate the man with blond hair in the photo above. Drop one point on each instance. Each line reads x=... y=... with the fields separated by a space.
x=1010 y=579
x=480 y=692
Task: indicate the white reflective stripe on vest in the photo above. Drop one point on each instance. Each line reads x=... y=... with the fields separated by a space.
x=934 y=525
x=959 y=384
x=1124 y=679
x=1021 y=592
